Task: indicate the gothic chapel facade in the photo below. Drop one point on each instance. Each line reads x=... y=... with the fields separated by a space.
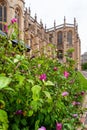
x=62 y=37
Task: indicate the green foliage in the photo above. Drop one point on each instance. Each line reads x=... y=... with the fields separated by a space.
x=3 y=120
x=83 y=81
x=36 y=92
x=84 y=66
x=28 y=102
x=4 y=81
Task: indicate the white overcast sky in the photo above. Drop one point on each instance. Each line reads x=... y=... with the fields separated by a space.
x=50 y=10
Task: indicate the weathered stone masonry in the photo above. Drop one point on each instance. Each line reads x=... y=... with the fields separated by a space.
x=38 y=37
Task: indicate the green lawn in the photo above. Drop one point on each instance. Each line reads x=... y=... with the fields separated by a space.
x=82 y=80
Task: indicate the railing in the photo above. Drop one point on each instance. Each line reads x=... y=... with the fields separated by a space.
x=32 y=19
x=60 y=26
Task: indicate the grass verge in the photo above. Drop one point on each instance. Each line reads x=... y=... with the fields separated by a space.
x=83 y=81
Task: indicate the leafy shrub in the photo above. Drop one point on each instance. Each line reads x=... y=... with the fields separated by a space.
x=84 y=66
x=37 y=92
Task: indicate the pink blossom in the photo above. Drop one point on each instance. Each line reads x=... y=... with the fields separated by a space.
x=19 y=112
x=39 y=65
x=75 y=115
x=55 y=68
x=6 y=28
x=58 y=126
x=14 y=20
x=65 y=93
x=66 y=74
x=78 y=103
x=75 y=103
x=42 y=128
x=43 y=77
x=82 y=93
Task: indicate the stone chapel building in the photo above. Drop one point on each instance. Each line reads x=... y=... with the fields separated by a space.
x=53 y=42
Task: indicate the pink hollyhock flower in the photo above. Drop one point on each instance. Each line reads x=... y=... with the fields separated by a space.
x=65 y=93
x=74 y=103
x=14 y=20
x=6 y=28
x=39 y=65
x=78 y=103
x=66 y=74
x=43 y=77
x=55 y=68
x=75 y=115
x=42 y=128
x=82 y=93
x=58 y=126
x=19 y=112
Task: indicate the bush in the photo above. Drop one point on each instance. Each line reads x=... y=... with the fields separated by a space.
x=84 y=66
x=37 y=92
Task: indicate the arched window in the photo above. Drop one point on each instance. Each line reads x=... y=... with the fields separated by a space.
x=50 y=38
x=17 y=15
x=59 y=37
x=69 y=37
x=3 y=14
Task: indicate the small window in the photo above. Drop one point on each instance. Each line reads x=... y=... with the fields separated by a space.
x=0 y=12
x=69 y=37
x=50 y=38
x=3 y=14
x=59 y=37
x=0 y=26
x=17 y=16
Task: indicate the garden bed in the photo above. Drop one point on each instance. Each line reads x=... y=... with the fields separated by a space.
x=38 y=93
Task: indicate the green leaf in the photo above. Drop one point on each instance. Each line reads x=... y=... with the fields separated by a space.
x=9 y=60
x=16 y=60
x=49 y=83
x=47 y=94
x=2 y=104
x=36 y=92
x=4 y=81
x=24 y=122
x=20 y=79
x=15 y=127
x=69 y=126
x=9 y=89
x=31 y=81
x=3 y=119
x=30 y=113
x=37 y=124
